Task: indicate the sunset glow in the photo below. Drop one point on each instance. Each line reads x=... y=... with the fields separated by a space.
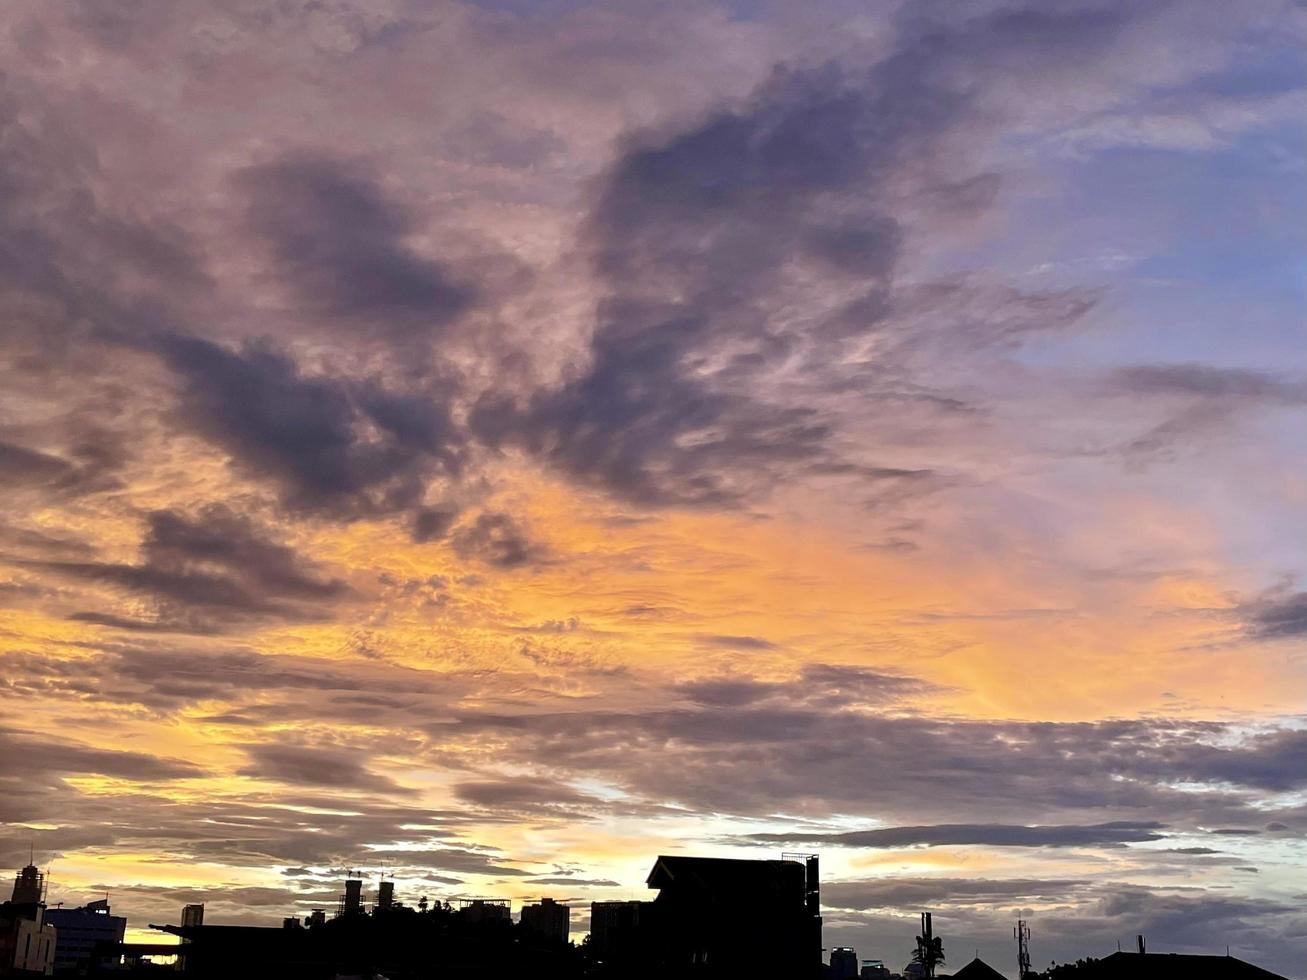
x=497 y=443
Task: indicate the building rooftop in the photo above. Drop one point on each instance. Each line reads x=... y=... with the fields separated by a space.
x=978 y=969
x=1180 y=966
x=719 y=874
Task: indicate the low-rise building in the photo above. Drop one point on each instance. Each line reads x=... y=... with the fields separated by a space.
x=484 y=909
x=26 y=940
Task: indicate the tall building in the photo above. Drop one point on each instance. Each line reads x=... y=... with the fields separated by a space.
x=79 y=930
x=548 y=918
x=615 y=929
x=351 y=903
x=27 y=940
x=843 y=962
x=192 y=915
x=29 y=886
x=385 y=894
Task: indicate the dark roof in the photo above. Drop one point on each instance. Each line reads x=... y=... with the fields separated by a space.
x=1171 y=966
x=978 y=969
x=722 y=874
x=1180 y=966
x=232 y=934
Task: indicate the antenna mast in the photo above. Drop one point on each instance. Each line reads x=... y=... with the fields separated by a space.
x=1022 y=935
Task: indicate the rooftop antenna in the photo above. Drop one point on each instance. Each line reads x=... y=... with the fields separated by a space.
x=1022 y=935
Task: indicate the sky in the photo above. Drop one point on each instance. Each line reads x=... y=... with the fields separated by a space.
x=498 y=443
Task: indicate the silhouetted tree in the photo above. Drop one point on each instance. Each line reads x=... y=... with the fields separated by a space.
x=929 y=953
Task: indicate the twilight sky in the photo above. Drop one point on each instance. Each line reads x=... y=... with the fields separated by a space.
x=502 y=442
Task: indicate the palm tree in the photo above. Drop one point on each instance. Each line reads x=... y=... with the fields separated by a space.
x=930 y=948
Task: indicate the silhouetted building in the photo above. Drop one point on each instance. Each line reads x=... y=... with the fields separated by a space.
x=232 y=951
x=843 y=962
x=725 y=917
x=81 y=930
x=874 y=970
x=1161 y=966
x=351 y=903
x=978 y=969
x=29 y=886
x=548 y=918
x=473 y=910
x=316 y=918
x=439 y=943
x=26 y=940
x=192 y=916
x=385 y=894
x=615 y=929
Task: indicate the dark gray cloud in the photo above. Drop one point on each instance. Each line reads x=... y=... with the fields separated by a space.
x=340 y=245
x=727 y=691
x=1209 y=399
x=520 y=793
x=207 y=568
x=20 y=465
x=91 y=465
x=927 y=892
x=168 y=678
x=433 y=523
x=738 y=642
x=1192 y=920
x=497 y=540
x=1277 y=614
x=254 y=829
x=305 y=431
x=1274 y=761
x=450 y=859
x=336 y=767
x=1209 y=382
x=28 y=757
x=831 y=685
x=698 y=236
x=990 y=835
x=752 y=752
